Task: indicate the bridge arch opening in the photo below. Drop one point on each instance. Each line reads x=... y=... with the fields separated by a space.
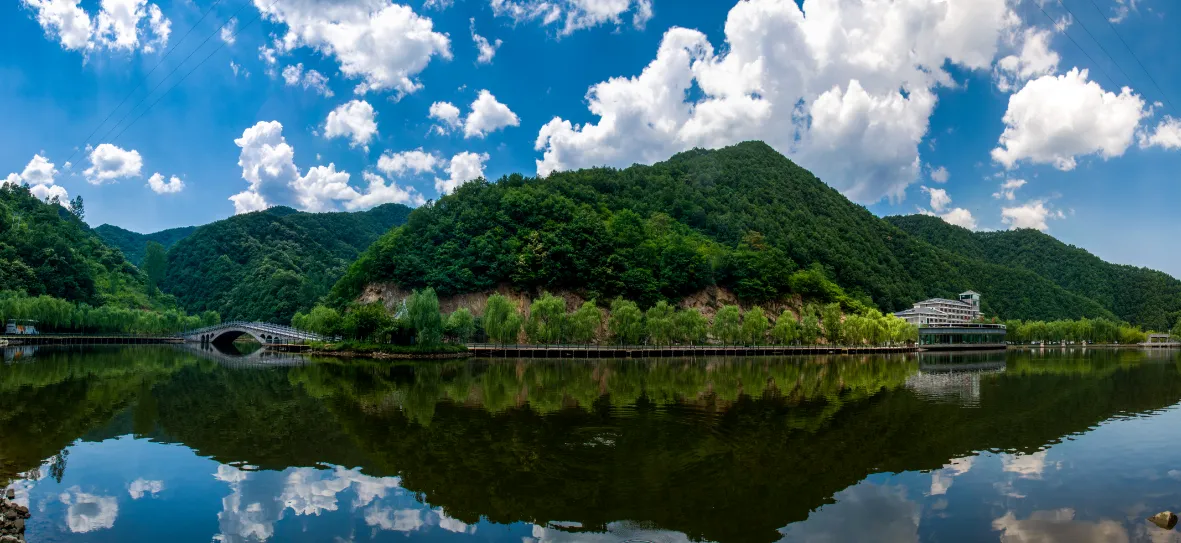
x=228 y=337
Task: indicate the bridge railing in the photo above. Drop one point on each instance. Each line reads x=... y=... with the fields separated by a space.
x=266 y=327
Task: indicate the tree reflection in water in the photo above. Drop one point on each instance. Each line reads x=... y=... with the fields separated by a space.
x=718 y=449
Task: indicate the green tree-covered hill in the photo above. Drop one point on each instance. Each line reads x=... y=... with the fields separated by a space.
x=132 y=243
x=269 y=264
x=1138 y=295
x=743 y=217
x=45 y=249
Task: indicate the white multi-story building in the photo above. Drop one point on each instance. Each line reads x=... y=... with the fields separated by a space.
x=944 y=311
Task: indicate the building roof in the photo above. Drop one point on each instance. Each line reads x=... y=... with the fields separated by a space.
x=945 y=301
x=969 y=292
x=921 y=311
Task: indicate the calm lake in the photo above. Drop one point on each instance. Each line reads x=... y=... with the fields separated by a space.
x=176 y=444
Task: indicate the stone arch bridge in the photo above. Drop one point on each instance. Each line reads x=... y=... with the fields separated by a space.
x=263 y=332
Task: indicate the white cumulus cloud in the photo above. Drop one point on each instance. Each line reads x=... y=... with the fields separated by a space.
x=158 y=185
x=417 y=161
x=463 y=167
x=1166 y=135
x=1033 y=214
x=940 y=175
x=382 y=44
x=1056 y=119
x=355 y=120
x=572 y=15
x=940 y=204
x=447 y=115
x=486 y=49
x=1008 y=190
x=295 y=76
x=1033 y=60
x=268 y=165
x=847 y=90
x=110 y=163
x=122 y=25
x=487 y=116
x=40 y=175
x=229 y=31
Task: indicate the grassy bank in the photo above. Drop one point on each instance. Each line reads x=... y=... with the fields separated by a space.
x=359 y=349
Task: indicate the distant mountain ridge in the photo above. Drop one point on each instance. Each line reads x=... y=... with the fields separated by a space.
x=1138 y=295
x=269 y=264
x=740 y=209
x=133 y=244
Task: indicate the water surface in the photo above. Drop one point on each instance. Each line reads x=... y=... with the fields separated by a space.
x=177 y=444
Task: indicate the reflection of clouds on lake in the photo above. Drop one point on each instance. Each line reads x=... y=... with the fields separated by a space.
x=453 y=525
x=1058 y=525
x=259 y=499
x=1027 y=466
x=142 y=487
x=88 y=512
x=401 y=520
x=310 y=491
x=616 y=531
x=863 y=511
x=941 y=479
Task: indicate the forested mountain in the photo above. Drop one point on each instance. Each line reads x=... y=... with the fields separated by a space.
x=45 y=249
x=742 y=217
x=1137 y=295
x=269 y=264
x=132 y=243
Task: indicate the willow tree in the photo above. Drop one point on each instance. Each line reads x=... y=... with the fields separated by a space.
x=547 y=319
x=660 y=323
x=786 y=330
x=754 y=326
x=830 y=318
x=690 y=327
x=626 y=323
x=461 y=324
x=502 y=323
x=728 y=324
x=585 y=322
x=422 y=310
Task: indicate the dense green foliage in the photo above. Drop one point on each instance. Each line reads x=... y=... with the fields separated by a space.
x=744 y=217
x=548 y=323
x=267 y=265
x=44 y=249
x=1090 y=331
x=133 y=244
x=1137 y=295
x=57 y=315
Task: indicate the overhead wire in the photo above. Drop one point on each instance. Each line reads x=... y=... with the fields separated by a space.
x=1076 y=44
x=1134 y=56
x=141 y=81
x=177 y=67
x=190 y=72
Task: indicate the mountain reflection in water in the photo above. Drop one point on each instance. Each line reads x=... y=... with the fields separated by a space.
x=154 y=443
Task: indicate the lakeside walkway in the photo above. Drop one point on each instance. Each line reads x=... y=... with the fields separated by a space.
x=83 y=339
x=646 y=351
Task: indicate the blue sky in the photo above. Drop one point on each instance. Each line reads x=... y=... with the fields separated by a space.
x=918 y=106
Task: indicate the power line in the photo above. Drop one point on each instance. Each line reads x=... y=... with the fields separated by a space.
x=177 y=67
x=1133 y=53
x=175 y=46
x=1080 y=48
x=1101 y=48
x=190 y=72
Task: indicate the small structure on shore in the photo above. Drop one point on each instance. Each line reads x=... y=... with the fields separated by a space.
x=1161 y=341
x=968 y=336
